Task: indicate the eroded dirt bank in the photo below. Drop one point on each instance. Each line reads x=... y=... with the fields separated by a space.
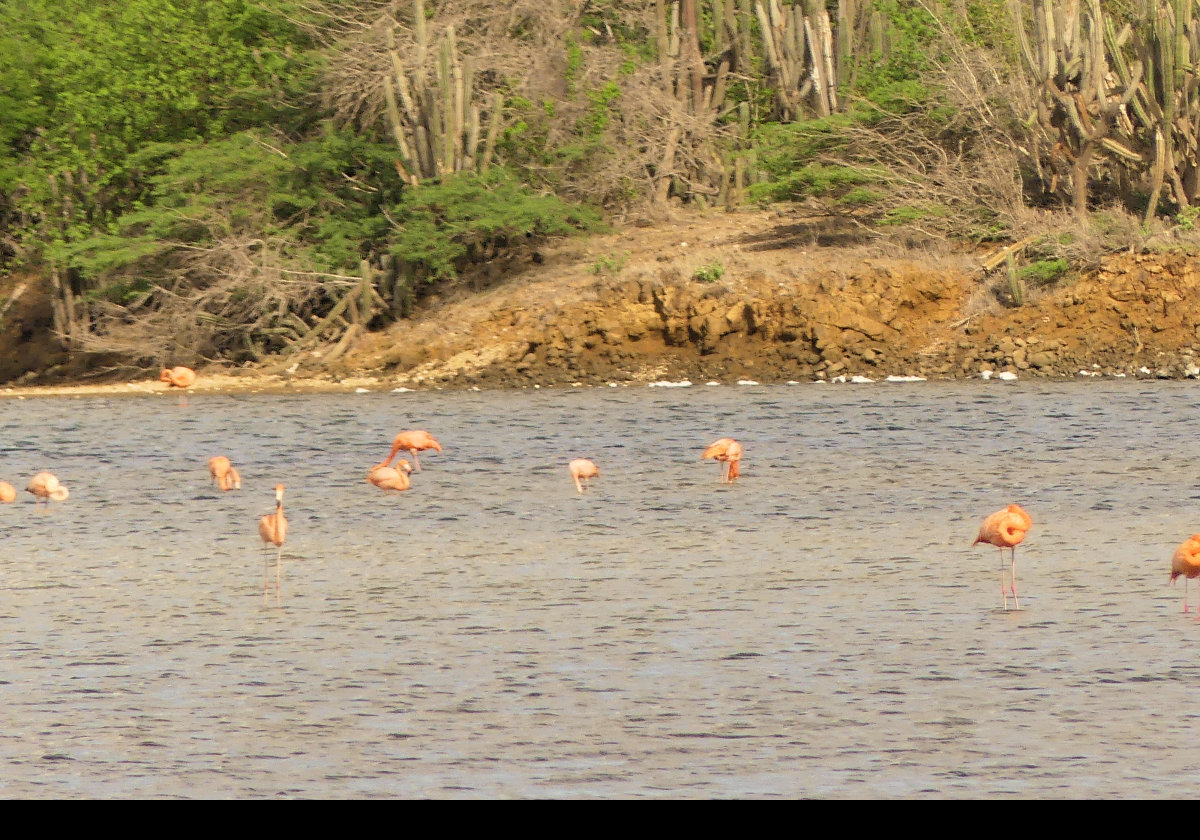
x=755 y=295
x=790 y=304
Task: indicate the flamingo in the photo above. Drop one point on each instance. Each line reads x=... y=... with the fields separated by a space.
x=1186 y=562
x=8 y=493
x=412 y=442
x=178 y=377
x=224 y=473
x=729 y=452
x=387 y=478
x=582 y=468
x=1006 y=529
x=45 y=485
x=273 y=530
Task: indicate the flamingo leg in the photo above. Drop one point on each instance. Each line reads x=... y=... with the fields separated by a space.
x=1013 y=579
x=1185 y=604
x=278 y=573
x=416 y=460
x=1003 y=587
x=578 y=486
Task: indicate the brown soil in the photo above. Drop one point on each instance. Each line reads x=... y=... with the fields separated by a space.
x=752 y=295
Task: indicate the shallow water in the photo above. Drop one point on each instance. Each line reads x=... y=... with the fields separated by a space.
x=822 y=628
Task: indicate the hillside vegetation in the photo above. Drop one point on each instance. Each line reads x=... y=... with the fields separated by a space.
x=227 y=180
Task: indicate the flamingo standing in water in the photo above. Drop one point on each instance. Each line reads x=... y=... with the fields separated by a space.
x=45 y=486
x=583 y=471
x=387 y=478
x=1006 y=529
x=729 y=452
x=8 y=493
x=1186 y=562
x=273 y=530
x=224 y=473
x=412 y=442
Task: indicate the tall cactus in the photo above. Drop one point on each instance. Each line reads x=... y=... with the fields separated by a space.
x=436 y=114
x=1124 y=101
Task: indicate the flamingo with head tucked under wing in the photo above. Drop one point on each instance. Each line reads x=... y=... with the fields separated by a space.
x=1006 y=529
x=1186 y=563
x=44 y=486
x=729 y=452
x=178 y=377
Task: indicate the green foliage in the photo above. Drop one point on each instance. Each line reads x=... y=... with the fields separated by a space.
x=599 y=112
x=784 y=147
x=601 y=20
x=325 y=196
x=122 y=292
x=910 y=214
x=819 y=180
x=610 y=263
x=440 y=224
x=83 y=86
x=574 y=63
x=709 y=272
x=526 y=143
x=786 y=154
x=911 y=31
x=1044 y=272
x=1186 y=218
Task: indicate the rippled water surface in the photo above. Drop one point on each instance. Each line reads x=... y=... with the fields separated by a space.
x=823 y=628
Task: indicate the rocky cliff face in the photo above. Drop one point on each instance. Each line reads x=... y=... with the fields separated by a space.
x=803 y=314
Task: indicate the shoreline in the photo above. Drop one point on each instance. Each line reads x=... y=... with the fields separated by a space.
x=224 y=384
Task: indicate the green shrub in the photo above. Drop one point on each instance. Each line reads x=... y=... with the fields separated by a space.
x=1044 y=272
x=709 y=273
x=441 y=224
x=610 y=263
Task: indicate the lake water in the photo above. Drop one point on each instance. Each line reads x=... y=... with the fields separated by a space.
x=823 y=628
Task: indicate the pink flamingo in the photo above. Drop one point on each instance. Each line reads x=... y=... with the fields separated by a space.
x=178 y=377
x=1006 y=529
x=1186 y=562
x=273 y=530
x=387 y=478
x=224 y=473
x=583 y=471
x=729 y=452
x=45 y=486
x=412 y=442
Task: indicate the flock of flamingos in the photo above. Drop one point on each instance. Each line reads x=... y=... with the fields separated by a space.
x=1004 y=529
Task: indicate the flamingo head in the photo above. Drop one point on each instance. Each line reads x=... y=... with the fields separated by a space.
x=279 y=493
